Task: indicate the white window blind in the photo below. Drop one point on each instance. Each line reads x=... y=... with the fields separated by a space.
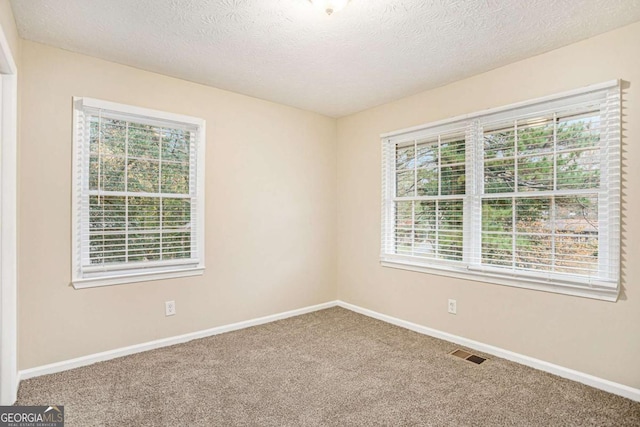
x=525 y=195
x=138 y=197
x=429 y=196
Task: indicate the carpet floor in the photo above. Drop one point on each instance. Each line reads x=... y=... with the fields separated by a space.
x=331 y=367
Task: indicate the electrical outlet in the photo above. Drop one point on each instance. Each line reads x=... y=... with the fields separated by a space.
x=453 y=309
x=169 y=308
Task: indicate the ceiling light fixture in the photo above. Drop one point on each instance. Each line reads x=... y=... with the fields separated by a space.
x=329 y=6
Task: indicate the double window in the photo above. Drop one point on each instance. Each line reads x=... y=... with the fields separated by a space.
x=138 y=196
x=526 y=195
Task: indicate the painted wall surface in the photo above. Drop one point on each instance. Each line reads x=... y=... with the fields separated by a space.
x=596 y=337
x=8 y=25
x=270 y=212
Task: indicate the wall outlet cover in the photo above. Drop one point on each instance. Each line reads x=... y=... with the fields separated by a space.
x=452 y=307
x=169 y=308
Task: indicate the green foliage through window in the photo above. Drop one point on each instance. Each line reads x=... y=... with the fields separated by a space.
x=520 y=230
x=139 y=181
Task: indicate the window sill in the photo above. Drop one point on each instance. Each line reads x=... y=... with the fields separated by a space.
x=133 y=277
x=596 y=292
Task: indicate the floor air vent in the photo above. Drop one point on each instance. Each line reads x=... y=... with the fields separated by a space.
x=468 y=356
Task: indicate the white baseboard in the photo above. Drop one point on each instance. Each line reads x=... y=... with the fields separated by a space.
x=137 y=348
x=581 y=377
x=590 y=380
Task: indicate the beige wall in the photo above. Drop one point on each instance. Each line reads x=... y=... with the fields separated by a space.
x=270 y=212
x=8 y=25
x=600 y=338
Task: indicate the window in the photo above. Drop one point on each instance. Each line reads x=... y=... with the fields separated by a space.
x=526 y=195
x=138 y=194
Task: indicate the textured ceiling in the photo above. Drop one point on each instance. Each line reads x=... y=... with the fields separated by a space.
x=371 y=52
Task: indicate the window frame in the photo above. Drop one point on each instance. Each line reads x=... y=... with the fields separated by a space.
x=470 y=267
x=193 y=266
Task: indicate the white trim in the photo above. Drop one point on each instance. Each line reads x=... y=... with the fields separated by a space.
x=164 y=342
x=8 y=223
x=604 y=285
x=201 y=192
x=590 y=380
x=83 y=278
x=517 y=280
x=573 y=375
x=138 y=111
x=145 y=276
x=491 y=111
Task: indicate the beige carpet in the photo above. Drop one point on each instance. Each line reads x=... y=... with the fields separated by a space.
x=332 y=367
